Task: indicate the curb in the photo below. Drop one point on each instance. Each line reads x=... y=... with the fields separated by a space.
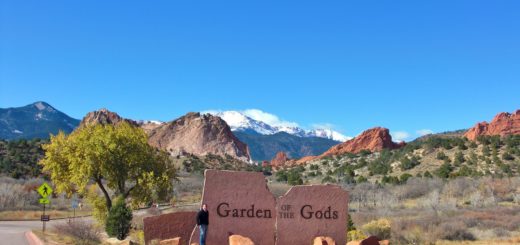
x=32 y=239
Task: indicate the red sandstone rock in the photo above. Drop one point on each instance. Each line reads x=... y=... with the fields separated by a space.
x=174 y=241
x=371 y=240
x=169 y=226
x=374 y=139
x=503 y=124
x=306 y=212
x=240 y=240
x=199 y=135
x=238 y=203
x=322 y=240
x=279 y=160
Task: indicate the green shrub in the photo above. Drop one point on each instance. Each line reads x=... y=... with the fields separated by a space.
x=119 y=220
x=444 y=170
x=355 y=235
x=380 y=228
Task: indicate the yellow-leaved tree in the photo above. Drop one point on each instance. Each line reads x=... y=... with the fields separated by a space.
x=115 y=158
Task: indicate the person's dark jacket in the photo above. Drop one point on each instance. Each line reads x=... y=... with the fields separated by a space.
x=202 y=217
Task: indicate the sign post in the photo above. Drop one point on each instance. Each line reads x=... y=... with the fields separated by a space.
x=44 y=190
x=74 y=204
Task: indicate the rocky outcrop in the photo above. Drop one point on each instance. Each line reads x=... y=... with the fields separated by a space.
x=199 y=135
x=503 y=124
x=279 y=159
x=374 y=139
x=240 y=240
x=104 y=116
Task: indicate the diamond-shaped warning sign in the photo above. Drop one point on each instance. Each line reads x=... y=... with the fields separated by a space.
x=45 y=190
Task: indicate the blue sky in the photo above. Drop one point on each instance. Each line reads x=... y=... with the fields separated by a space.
x=404 y=65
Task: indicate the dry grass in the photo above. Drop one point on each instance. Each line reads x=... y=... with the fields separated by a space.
x=35 y=215
x=507 y=241
x=53 y=238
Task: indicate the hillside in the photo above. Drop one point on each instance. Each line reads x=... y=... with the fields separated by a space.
x=265 y=147
x=434 y=156
x=19 y=158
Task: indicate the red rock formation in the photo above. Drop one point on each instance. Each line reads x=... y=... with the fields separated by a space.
x=279 y=159
x=192 y=133
x=104 y=116
x=199 y=135
x=374 y=139
x=503 y=124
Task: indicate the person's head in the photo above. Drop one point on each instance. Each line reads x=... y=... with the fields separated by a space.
x=204 y=207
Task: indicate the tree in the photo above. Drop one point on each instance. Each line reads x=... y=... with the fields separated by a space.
x=116 y=158
x=119 y=220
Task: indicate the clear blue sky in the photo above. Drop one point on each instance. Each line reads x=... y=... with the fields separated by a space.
x=405 y=65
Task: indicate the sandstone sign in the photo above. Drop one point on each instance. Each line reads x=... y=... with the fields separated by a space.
x=306 y=212
x=239 y=203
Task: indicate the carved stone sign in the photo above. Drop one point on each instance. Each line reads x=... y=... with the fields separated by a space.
x=306 y=212
x=238 y=203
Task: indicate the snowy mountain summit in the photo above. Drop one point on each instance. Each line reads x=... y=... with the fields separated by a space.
x=242 y=122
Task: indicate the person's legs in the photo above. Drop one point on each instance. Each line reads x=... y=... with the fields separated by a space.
x=203 y=233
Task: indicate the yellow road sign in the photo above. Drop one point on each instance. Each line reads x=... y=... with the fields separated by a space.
x=45 y=190
x=44 y=201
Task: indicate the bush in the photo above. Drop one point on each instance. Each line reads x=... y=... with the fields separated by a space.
x=355 y=235
x=454 y=232
x=119 y=220
x=81 y=231
x=380 y=228
x=444 y=170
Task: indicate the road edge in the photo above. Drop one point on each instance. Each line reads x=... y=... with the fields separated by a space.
x=32 y=239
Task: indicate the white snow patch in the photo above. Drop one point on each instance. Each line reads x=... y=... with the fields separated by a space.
x=40 y=106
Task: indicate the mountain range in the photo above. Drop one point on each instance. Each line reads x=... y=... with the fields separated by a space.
x=231 y=133
x=36 y=120
x=39 y=120
x=240 y=122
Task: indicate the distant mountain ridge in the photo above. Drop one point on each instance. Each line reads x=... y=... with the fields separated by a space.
x=36 y=120
x=264 y=147
x=240 y=122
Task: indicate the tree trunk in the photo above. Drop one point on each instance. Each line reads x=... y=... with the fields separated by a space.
x=107 y=196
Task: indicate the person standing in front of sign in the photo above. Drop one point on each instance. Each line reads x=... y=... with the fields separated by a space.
x=202 y=222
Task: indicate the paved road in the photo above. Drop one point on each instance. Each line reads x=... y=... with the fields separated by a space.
x=13 y=232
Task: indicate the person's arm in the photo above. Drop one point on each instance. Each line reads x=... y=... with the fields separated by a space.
x=198 y=218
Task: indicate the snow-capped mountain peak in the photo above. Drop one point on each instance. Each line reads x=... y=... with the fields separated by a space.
x=239 y=121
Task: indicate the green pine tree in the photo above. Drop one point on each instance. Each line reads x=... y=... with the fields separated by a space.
x=119 y=220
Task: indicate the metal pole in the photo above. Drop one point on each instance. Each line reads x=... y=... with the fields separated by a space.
x=43 y=215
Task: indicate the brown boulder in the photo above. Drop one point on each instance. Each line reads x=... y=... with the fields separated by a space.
x=240 y=240
x=279 y=160
x=503 y=124
x=384 y=242
x=371 y=240
x=173 y=241
x=199 y=135
x=322 y=240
